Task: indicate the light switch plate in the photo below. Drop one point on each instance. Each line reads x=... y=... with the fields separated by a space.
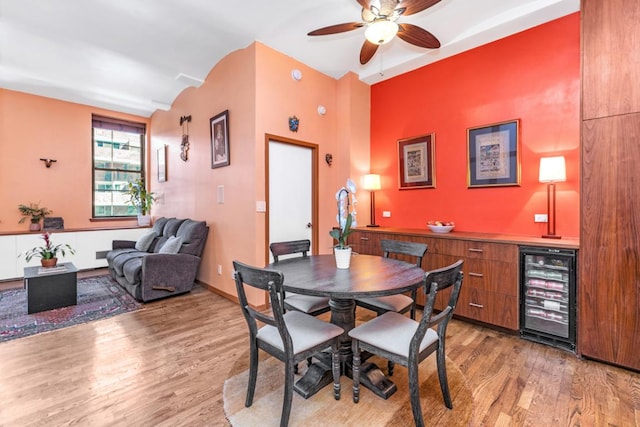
x=261 y=206
x=386 y=214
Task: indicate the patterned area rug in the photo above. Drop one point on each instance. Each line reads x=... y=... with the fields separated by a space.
x=322 y=409
x=98 y=297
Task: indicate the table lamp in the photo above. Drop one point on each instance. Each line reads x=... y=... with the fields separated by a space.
x=552 y=170
x=371 y=182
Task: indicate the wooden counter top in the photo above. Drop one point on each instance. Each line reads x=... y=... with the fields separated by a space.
x=564 y=243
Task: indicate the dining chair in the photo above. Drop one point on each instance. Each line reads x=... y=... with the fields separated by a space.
x=397 y=303
x=407 y=341
x=305 y=303
x=290 y=337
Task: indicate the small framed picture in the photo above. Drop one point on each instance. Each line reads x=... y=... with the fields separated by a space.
x=220 y=140
x=493 y=155
x=162 y=163
x=416 y=159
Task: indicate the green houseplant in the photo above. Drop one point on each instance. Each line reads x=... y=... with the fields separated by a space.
x=48 y=252
x=35 y=212
x=140 y=199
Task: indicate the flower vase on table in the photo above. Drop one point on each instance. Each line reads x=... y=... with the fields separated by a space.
x=346 y=220
x=343 y=257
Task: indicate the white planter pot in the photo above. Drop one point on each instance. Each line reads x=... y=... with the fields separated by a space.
x=343 y=257
x=144 y=220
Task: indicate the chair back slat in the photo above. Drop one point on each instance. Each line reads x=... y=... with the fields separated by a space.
x=292 y=247
x=398 y=247
x=436 y=281
x=266 y=280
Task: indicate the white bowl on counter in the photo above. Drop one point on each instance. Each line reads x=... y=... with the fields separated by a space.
x=440 y=228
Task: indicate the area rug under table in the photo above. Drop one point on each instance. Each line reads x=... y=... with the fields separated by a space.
x=98 y=297
x=323 y=409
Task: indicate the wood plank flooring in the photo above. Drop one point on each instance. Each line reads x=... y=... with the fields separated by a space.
x=165 y=365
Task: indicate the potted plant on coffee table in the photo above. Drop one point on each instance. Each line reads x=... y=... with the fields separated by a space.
x=35 y=213
x=141 y=199
x=48 y=253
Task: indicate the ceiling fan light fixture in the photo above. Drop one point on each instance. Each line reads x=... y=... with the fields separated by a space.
x=381 y=31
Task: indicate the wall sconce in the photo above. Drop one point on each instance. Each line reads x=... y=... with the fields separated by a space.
x=48 y=162
x=371 y=183
x=552 y=170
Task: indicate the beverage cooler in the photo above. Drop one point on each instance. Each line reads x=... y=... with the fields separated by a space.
x=548 y=296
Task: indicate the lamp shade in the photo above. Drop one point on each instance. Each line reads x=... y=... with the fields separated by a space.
x=552 y=169
x=371 y=182
x=381 y=31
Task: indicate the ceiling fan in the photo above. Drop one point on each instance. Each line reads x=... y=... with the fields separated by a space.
x=380 y=16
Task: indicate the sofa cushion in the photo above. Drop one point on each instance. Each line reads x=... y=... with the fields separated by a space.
x=158 y=243
x=193 y=234
x=171 y=227
x=171 y=246
x=132 y=271
x=112 y=254
x=144 y=242
x=158 y=225
x=119 y=261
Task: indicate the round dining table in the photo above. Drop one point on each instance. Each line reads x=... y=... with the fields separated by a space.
x=368 y=276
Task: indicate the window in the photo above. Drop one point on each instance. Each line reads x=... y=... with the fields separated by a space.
x=118 y=158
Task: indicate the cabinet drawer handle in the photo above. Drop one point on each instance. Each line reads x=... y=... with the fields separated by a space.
x=475 y=250
x=476 y=305
x=364 y=238
x=475 y=274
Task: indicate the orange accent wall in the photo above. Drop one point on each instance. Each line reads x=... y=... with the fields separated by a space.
x=34 y=127
x=533 y=76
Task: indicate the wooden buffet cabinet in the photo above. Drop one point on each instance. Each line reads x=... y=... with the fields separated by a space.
x=490 y=289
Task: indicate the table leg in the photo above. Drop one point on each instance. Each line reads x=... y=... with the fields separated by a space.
x=319 y=373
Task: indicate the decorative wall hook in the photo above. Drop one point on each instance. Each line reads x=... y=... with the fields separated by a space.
x=294 y=123
x=328 y=158
x=48 y=162
x=185 y=119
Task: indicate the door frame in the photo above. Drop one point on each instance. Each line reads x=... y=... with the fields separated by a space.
x=314 y=187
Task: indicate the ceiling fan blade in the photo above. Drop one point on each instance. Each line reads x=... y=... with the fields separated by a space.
x=333 y=29
x=415 y=6
x=417 y=36
x=368 y=50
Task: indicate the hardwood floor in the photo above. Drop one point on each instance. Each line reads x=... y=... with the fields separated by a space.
x=165 y=365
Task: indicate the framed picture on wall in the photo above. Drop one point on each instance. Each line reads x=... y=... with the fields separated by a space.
x=220 y=140
x=416 y=162
x=493 y=155
x=162 y=163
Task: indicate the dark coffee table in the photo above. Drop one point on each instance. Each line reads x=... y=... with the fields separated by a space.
x=49 y=288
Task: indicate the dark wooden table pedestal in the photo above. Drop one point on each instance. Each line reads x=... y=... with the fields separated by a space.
x=318 y=375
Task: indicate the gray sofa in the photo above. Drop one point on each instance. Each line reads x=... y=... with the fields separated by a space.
x=163 y=262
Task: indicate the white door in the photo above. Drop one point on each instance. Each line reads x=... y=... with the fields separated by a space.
x=290 y=192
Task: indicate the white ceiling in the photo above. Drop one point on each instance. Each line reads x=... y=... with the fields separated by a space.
x=136 y=56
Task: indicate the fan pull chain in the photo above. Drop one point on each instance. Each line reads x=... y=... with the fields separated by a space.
x=381 y=65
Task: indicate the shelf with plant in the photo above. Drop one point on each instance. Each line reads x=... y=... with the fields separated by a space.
x=35 y=213
x=141 y=199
